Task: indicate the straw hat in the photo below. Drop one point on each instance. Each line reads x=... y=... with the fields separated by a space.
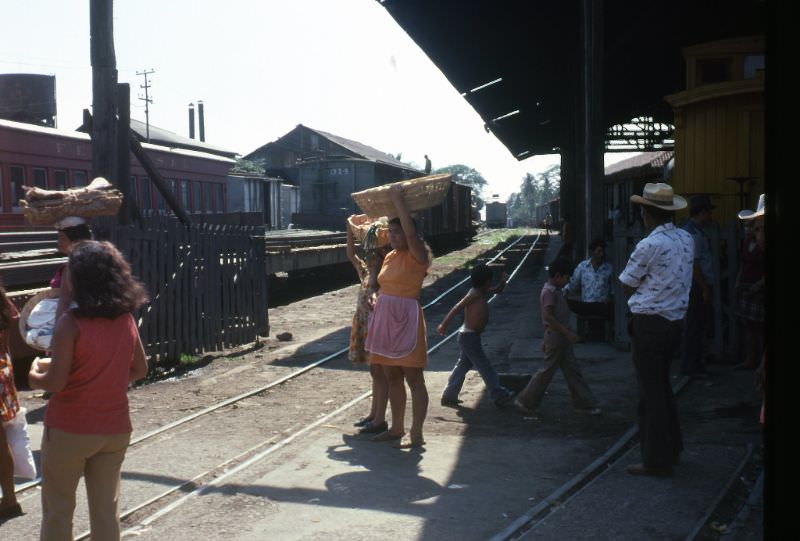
x=750 y=214
x=661 y=196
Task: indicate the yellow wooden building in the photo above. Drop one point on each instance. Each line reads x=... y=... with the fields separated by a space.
x=719 y=124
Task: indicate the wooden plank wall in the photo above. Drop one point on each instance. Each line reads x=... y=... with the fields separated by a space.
x=717 y=139
x=207 y=285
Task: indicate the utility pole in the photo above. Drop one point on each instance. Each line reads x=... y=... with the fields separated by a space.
x=147 y=99
x=104 y=89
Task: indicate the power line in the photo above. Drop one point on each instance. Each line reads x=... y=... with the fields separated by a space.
x=147 y=99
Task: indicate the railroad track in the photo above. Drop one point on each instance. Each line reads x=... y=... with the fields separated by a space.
x=139 y=441
x=142 y=516
x=28 y=258
x=168 y=501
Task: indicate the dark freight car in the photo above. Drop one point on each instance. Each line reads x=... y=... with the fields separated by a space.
x=496 y=214
x=450 y=222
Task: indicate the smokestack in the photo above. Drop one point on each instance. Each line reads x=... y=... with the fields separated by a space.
x=191 y=121
x=201 y=120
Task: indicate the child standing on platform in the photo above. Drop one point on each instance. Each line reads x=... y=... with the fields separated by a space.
x=476 y=315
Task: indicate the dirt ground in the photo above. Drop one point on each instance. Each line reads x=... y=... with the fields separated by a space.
x=319 y=325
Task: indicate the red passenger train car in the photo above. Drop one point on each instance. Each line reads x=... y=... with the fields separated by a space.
x=55 y=159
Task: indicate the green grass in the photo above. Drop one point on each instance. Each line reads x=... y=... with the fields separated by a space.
x=461 y=259
x=186 y=359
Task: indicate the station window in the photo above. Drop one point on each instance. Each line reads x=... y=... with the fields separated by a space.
x=185 y=201
x=220 y=198
x=713 y=70
x=40 y=178
x=752 y=65
x=144 y=193
x=17 y=179
x=79 y=178
x=208 y=195
x=61 y=179
x=197 y=197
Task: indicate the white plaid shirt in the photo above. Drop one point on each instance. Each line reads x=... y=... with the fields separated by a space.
x=660 y=269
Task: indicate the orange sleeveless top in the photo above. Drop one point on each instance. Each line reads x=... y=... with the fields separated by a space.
x=401 y=275
x=95 y=400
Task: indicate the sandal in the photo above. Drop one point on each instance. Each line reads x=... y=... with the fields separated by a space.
x=363 y=421
x=388 y=436
x=410 y=443
x=371 y=428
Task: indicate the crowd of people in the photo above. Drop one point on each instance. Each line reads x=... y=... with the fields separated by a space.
x=667 y=283
x=97 y=352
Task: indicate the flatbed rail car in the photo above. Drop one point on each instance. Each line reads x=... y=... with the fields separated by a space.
x=56 y=159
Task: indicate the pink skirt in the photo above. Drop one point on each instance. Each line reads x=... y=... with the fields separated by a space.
x=393 y=326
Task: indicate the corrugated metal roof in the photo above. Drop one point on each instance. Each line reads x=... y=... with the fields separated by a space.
x=526 y=58
x=652 y=160
x=363 y=150
x=164 y=137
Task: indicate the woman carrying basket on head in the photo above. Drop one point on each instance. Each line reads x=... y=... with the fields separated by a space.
x=396 y=338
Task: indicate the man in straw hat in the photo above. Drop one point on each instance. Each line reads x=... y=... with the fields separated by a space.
x=657 y=280
x=756 y=290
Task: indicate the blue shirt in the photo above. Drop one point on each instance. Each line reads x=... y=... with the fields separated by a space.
x=593 y=284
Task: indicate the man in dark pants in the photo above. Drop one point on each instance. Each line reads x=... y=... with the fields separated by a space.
x=699 y=314
x=657 y=279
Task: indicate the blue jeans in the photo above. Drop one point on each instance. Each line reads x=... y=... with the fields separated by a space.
x=472 y=356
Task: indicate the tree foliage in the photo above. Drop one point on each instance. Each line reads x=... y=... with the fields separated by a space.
x=533 y=191
x=249 y=167
x=463 y=174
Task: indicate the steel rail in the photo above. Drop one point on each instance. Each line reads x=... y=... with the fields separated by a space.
x=227 y=402
x=260 y=455
x=587 y=476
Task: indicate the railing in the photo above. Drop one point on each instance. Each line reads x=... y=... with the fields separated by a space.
x=207 y=285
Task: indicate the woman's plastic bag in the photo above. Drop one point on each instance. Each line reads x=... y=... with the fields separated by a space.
x=17 y=436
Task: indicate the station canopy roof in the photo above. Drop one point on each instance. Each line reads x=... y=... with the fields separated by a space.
x=531 y=52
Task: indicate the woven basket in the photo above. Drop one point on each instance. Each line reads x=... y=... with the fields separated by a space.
x=419 y=193
x=28 y=308
x=359 y=224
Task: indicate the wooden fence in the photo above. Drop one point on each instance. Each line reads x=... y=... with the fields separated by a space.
x=207 y=284
x=724 y=247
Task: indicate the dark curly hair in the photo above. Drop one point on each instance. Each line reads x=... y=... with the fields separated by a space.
x=78 y=232
x=102 y=282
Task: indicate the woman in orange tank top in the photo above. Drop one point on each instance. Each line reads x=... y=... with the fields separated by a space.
x=96 y=353
x=396 y=334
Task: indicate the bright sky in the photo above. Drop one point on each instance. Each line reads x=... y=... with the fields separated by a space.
x=263 y=66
